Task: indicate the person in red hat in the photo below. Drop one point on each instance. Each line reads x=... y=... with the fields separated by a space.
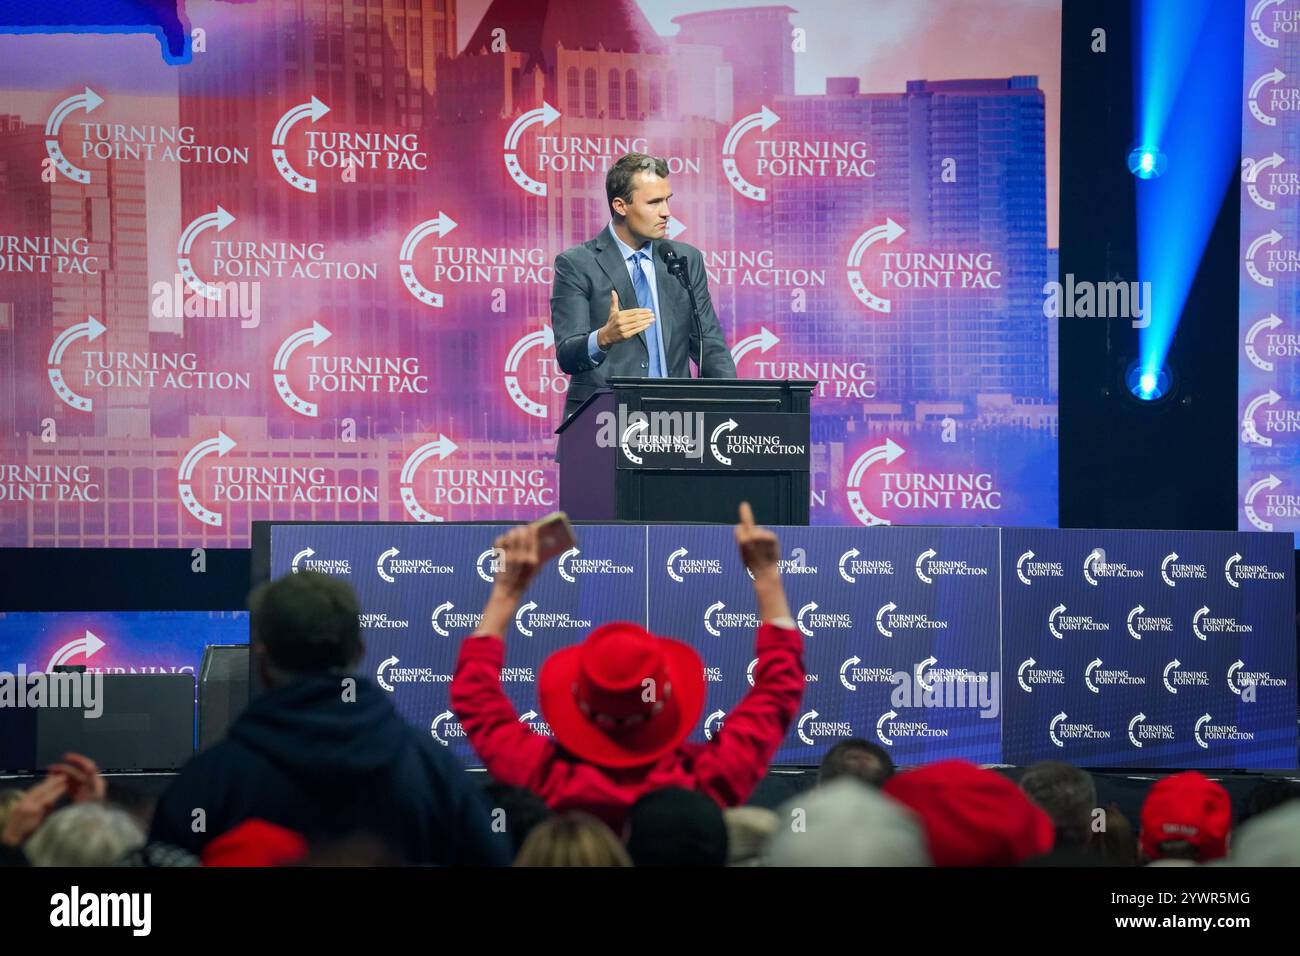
x=973 y=816
x=1185 y=817
x=622 y=703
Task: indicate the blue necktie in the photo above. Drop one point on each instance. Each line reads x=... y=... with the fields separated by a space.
x=646 y=301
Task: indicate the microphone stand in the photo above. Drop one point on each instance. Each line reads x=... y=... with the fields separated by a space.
x=677 y=267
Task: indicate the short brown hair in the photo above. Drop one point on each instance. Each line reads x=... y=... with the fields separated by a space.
x=618 y=181
x=572 y=839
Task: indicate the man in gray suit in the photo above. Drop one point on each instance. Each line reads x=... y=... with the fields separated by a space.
x=616 y=309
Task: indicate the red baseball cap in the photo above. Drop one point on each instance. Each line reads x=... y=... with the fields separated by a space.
x=1187 y=806
x=971 y=816
x=255 y=843
x=623 y=697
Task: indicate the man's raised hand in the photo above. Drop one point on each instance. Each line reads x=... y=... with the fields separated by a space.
x=759 y=548
x=622 y=324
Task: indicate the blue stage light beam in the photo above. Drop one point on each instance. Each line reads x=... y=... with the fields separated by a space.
x=1188 y=119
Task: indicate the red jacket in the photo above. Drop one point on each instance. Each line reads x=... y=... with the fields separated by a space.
x=727 y=768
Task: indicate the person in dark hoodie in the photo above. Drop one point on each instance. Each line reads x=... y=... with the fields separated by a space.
x=322 y=751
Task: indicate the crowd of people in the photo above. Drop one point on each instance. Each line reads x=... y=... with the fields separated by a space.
x=320 y=769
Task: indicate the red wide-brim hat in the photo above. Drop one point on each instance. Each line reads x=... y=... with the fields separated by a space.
x=575 y=679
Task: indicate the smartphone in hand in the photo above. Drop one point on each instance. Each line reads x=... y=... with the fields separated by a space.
x=554 y=536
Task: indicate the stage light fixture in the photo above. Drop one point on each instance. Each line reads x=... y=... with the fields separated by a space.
x=1147 y=162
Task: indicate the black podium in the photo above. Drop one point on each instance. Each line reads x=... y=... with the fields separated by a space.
x=688 y=449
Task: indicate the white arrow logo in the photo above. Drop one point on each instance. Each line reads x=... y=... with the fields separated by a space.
x=528 y=715
x=313 y=336
x=672 y=572
x=885 y=718
x=493 y=567
x=88 y=645
x=1255 y=28
x=717 y=715
x=313 y=110
x=1164 y=569
x=1051 y=620
x=1276 y=76
x=811 y=715
x=221 y=445
x=749 y=671
x=1196 y=731
x=519 y=618
x=437 y=724
x=888 y=232
x=1196 y=622
x=1088 y=569
x=1027 y=556
x=763 y=340
x=1171 y=666
x=89 y=330
x=880 y=618
x=1051 y=728
x=1249 y=433
x=1137 y=719
x=765 y=119
x=87 y=100
x=1020 y=674
x=441 y=447
x=708 y=615
x=546 y=114
x=853 y=661
x=1271 y=238
x=920 y=565
x=543 y=338
x=379 y=564
x=920 y=672
x=437 y=613
x=1132 y=631
x=1271 y=482
x=559 y=564
x=218 y=220
x=1087 y=674
x=304 y=553
x=1235 y=666
x=1250 y=175
x=1227 y=566
x=728 y=426
x=889 y=452
x=810 y=606
x=1269 y=321
x=379 y=674
x=440 y=226
x=625 y=443
x=844 y=559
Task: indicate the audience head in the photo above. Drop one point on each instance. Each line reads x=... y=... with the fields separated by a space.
x=1186 y=816
x=1068 y=795
x=676 y=827
x=1271 y=838
x=973 y=816
x=1267 y=795
x=845 y=823
x=572 y=839
x=84 y=834
x=859 y=758
x=304 y=623
x=255 y=843
x=623 y=697
x=522 y=808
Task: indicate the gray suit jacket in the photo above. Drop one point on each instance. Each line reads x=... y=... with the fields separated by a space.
x=584 y=276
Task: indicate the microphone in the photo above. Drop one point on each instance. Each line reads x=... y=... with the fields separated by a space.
x=678 y=268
